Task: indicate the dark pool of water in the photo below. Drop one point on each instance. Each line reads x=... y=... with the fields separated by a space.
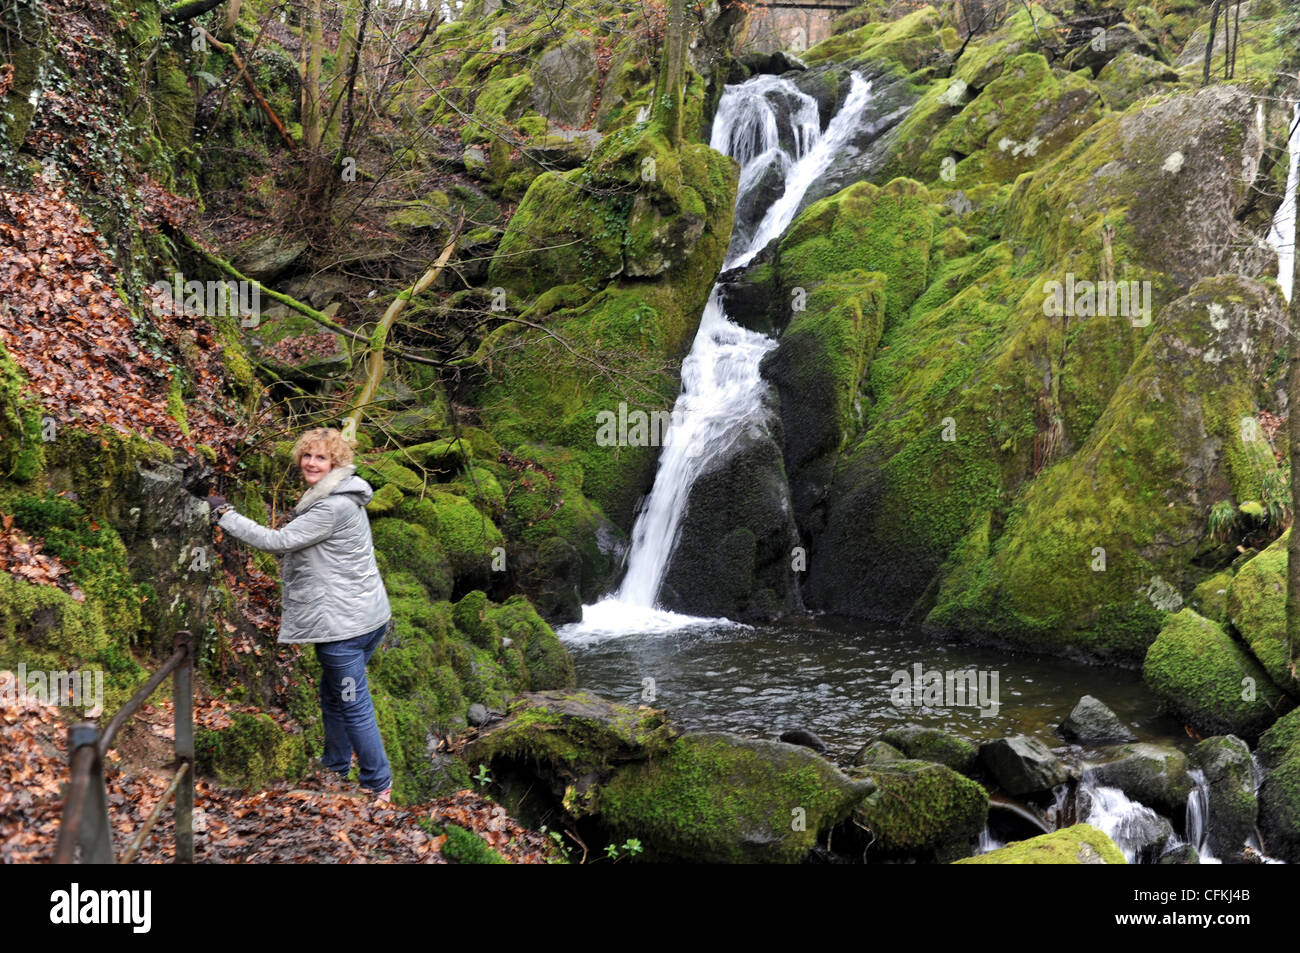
x=837 y=677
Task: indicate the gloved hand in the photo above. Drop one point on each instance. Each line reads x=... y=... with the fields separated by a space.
x=218 y=505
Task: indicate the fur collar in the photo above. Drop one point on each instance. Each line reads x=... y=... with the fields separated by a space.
x=324 y=487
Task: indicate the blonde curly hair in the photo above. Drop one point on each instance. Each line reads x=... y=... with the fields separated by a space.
x=340 y=453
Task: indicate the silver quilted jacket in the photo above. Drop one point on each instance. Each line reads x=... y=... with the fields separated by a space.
x=331 y=588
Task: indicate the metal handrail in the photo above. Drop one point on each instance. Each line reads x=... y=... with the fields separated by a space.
x=86 y=824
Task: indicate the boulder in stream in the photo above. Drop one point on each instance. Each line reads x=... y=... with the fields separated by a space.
x=1230 y=776
x=1155 y=775
x=1080 y=844
x=1022 y=765
x=931 y=744
x=921 y=810
x=1091 y=720
x=719 y=798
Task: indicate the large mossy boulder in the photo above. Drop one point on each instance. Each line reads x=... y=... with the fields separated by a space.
x=1256 y=607
x=1279 y=795
x=1080 y=844
x=666 y=235
x=920 y=809
x=564 y=81
x=1113 y=529
x=1205 y=678
x=818 y=368
x=553 y=749
x=719 y=798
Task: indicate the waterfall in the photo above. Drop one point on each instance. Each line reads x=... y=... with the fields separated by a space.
x=1282 y=233
x=1197 y=819
x=722 y=390
x=1139 y=832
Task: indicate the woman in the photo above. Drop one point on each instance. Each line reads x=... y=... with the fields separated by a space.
x=331 y=595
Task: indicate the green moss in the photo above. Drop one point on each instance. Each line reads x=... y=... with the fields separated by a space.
x=22 y=443
x=574 y=735
x=410 y=547
x=1111 y=531
x=1204 y=677
x=1080 y=844
x=887 y=229
x=252 y=752
x=1210 y=598
x=561 y=234
x=386 y=500
x=911 y=41
x=922 y=808
x=93 y=553
x=1256 y=607
x=715 y=798
x=466 y=847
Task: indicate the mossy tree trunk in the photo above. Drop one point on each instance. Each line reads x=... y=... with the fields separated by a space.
x=667 y=115
x=1293 y=450
x=312 y=113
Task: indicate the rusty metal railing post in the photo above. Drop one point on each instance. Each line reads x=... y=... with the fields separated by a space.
x=183 y=704
x=85 y=815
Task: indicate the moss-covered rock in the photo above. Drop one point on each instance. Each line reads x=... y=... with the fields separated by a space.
x=1279 y=796
x=1256 y=607
x=1113 y=527
x=931 y=744
x=920 y=809
x=401 y=545
x=718 y=798
x=912 y=42
x=1210 y=598
x=1131 y=76
x=251 y=752
x=1080 y=844
x=1230 y=775
x=572 y=735
x=1202 y=676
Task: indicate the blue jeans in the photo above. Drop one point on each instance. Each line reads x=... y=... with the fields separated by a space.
x=348 y=712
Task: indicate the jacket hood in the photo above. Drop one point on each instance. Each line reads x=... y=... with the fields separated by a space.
x=339 y=480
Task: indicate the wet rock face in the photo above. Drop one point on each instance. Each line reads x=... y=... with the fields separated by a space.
x=1155 y=775
x=1230 y=776
x=735 y=549
x=1091 y=720
x=1022 y=765
x=863 y=156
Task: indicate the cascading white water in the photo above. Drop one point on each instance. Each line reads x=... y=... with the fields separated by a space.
x=1133 y=827
x=1282 y=234
x=1197 y=819
x=722 y=390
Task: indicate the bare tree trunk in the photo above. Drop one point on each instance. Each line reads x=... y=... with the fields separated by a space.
x=1209 y=46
